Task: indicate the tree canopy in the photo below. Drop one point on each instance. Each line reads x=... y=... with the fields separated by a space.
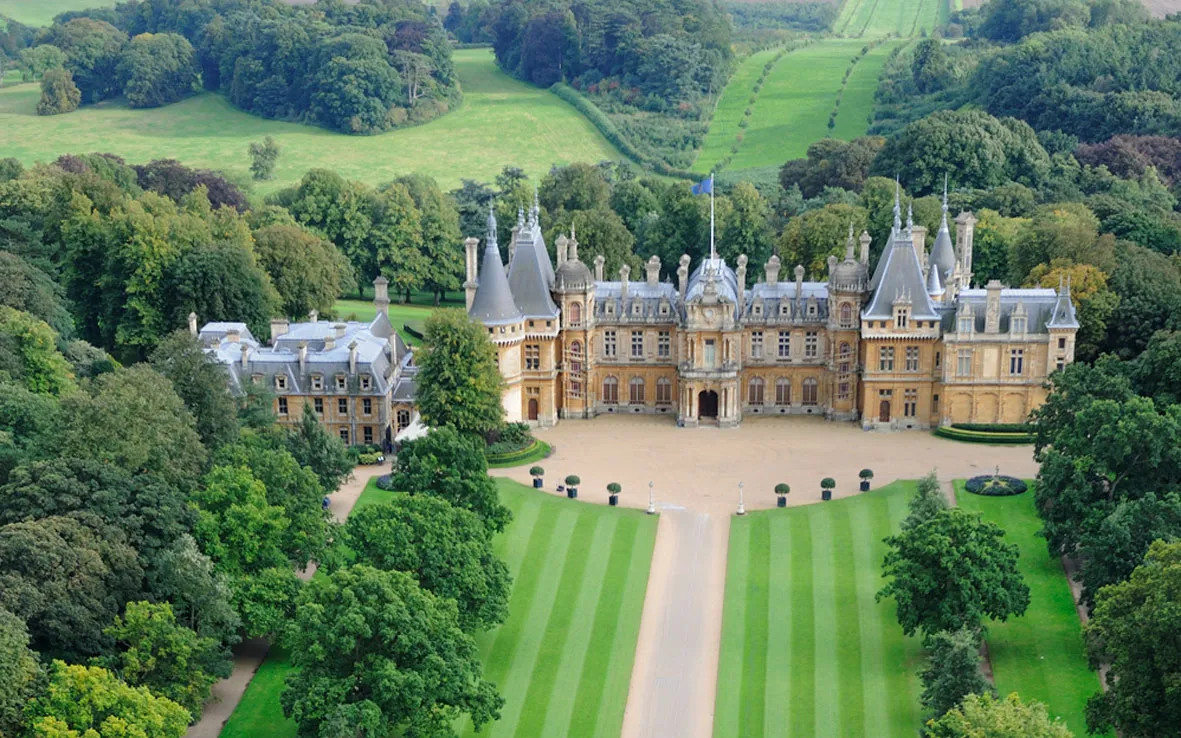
x=459 y=384
x=447 y=464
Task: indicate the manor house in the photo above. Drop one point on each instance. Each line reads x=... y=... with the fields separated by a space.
x=906 y=344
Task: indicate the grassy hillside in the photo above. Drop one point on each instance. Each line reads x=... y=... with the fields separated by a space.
x=41 y=12
x=731 y=105
x=875 y=18
x=502 y=122
x=857 y=102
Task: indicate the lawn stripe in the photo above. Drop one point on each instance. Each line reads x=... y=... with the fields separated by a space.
x=754 y=660
x=827 y=688
x=558 y=625
x=557 y=718
x=728 y=705
x=778 y=694
x=594 y=669
x=847 y=617
x=803 y=669
x=870 y=524
x=617 y=675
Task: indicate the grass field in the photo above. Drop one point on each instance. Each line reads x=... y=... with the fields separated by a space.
x=41 y=12
x=806 y=651
x=857 y=102
x=502 y=121
x=733 y=101
x=1040 y=655
x=563 y=659
x=874 y=18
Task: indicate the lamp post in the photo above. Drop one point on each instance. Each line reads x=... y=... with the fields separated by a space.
x=741 y=502
x=651 y=499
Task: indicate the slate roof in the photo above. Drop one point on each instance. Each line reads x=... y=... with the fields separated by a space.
x=1038 y=303
x=649 y=297
x=773 y=296
x=942 y=252
x=493 y=302
x=899 y=275
x=1063 y=314
x=530 y=275
x=713 y=271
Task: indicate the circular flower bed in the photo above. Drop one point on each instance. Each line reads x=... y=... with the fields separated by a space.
x=995 y=486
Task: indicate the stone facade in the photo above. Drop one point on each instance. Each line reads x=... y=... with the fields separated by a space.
x=908 y=346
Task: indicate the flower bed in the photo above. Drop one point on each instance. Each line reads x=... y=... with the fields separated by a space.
x=989 y=485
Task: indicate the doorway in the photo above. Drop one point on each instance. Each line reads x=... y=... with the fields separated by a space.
x=707 y=404
x=533 y=409
x=884 y=412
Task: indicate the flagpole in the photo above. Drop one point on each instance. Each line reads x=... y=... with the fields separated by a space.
x=713 y=255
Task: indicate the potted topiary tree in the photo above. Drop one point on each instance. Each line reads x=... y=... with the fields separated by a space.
x=866 y=475
x=613 y=491
x=781 y=490
x=826 y=487
x=537 y=473
x=572 y=483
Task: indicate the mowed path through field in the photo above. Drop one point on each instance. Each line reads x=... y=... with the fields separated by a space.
x=502 y=122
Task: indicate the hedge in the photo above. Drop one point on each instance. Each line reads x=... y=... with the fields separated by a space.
x=538 y=450
x=417 y=334
x=995 y=427
x=969 y=436
x=995 y=486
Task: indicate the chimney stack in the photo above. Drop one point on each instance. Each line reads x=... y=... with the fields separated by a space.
x=352 y=357
x=992 y=311
x=624 y=271
x=303 y=357
x=381 y=295
x=339 y=329
x=599 y=261
x=740 y=274
x=965 y=229
x=279 y=326
x=329 y=342
x=919 y=234
x=832 y=265
x=245 y=356
x=865 y=239
x=683 y=276
x=653 y=267
x=314 y=316
x=771 y=270
x=562 y=244
x=193 y=324
x=234 y=335
x=799 y=280
x=472 y=268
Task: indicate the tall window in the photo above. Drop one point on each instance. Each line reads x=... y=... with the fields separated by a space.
x=784 y=345
x=1018 y=325
x=711 y=353
x=844 y=357
x=910 y=402
x=811 y=391
x=886 y=359
x=366 y=382
x=366 y=406
x=575 y=313
x=317 y=381
x=756 y=344
x=609 y=344
x=912 y=358
x=754 y=391
x=965 y=325
x=901 y=317
x=318 y=406
x=342 y=406
x=934 y=403
x=811 y=344
x=1016 y=361
x=340 y=381
x=663 y=344
x=344 y=435
x=637 y=345
x=635 y=391
x=611 y=391
x=403 y=417
x=963 y=363
x=664 y=391
x=282 y=405
x=843 y=388
x=367 y=434
x=782 y=391
x=576 y=368
x=846 y=315
x=532 y=356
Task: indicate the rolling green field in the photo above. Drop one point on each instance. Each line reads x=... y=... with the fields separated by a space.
x=731 y=104
x=874 y=18
x=502 y=121
x=563 y=659
x=857 y=102
x=1040 y=655
x=41 y=12
x=806 y=651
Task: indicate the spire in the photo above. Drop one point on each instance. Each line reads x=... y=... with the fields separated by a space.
x=520 y=219
x=910 y=216
x=493 y=302
x=849 y=244
x=897 y=207
x=490 y=233
x=535 y=211
x=1063 y=316
x=934 y=283
x=945 y=197
x=943 y=253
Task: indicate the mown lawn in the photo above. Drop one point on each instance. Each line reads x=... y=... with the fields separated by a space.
x=857 y=102
x=563 y=659
x=401 y=315
x=41 y=12
x=1040 y=655
x=806 y=651
x=502 y=121
x=733 y=102
x=874 y=18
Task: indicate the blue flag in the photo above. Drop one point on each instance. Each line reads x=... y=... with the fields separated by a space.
x=704 y=187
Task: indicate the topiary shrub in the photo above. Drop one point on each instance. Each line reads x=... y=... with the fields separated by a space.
x=865 y=474
x=536 y=471
x=998 y=485
x=782 y=489
x=573 y=480
x=614 y=488
x=828 y=483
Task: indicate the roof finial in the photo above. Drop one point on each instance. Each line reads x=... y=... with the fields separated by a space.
x=535 y=213
x=945 y=196
x=897 y=206
x=849 y=240
x=490 y=235
x=520 y=218
x=910 y=215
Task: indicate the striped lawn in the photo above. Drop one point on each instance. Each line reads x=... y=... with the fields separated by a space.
x=723 y=128
x=857 y=102
x=806 y=651
x=1040 y=655
x=563 y=659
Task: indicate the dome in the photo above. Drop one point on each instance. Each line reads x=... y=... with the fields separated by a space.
x=849 y=272
x=573 y=275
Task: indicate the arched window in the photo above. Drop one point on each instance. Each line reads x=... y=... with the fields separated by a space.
x=575 y=313
x=783 y=391
x=754 y=391
x=635 y=391
x=846 y=315
x=664 y=391
x=611 y=391
x=810 y=390
x=576 y=368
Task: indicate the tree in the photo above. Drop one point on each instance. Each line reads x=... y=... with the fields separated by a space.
x=25 y=287
x=93 y=49
x=809 y=239
x=21 y=670
x=451 y=466
x=459 y=383
x=235 y=525
x=200 y=382
x=154 y=651
x=132 y=418
x=745 y=229
x=305 y=268
x=1114 y=547
x=441 y=237
x=1134 y=630
x=264 y=155
x=953 y=670
x=355 y=93
x=351 y=679
x=1157 y=371
x=27 y=424
x=222 y=281
x=1090 y=294
x=1064 y=231
x=951 y=571
x=984 y=716
x=29 y=355
x=66 y=582
x=35 y=61
x=201 y=597
x=319 y=450
x=157 y=69
x=1149 y=288
x=395 y=248
x=930 y=67
x=90 y=702
x=599 y=233
x=59 y=94
x=266 y=600
x=927 y=503
x=447 y=549
x=574 y=187
x=831 y=162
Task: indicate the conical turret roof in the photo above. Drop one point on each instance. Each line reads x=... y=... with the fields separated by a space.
x=943 y=254
x=1063 y=315
x=493 y=302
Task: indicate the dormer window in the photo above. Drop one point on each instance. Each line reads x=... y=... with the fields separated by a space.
x=636 y=307
x=965 y=324
x=256 y=378
x=664 y=308
x=758 y=309
x=1018 y=324
x=317 y=381
x=610 y=308
x=811 y=309
x=340 y=381
x=280 y=381
x=901 y=317
x=784 y=309
x=366 y=382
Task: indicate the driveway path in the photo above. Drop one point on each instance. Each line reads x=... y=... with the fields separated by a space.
x=248 y=655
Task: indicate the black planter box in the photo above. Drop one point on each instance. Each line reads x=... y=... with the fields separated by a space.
x=864 y=485
x=782 y=502
x=572 y=492
x=613 y=500
x=826 y=494
x=537 y=483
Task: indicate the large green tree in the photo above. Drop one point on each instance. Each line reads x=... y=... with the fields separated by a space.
x=236 y=526
x=809 y=239
x=953 y=670
x=201 y=597
x=1134 y=631
x=21 y=670
x=950 y=571
x=984 y=716
x=157 y=69
x=93 y=49
x=305 y=269
x=447 y=464
x=91 y=702
x=1113 y=547
x=29 y=355
x=353 y=678
x=25 y=287
x=223 y=281
x=317 y=449
x=266 y=600
x=441 y=240
x=59 y=94
x=928 y=501
x=459 y=383
x=200 y=381
x=446 y=548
